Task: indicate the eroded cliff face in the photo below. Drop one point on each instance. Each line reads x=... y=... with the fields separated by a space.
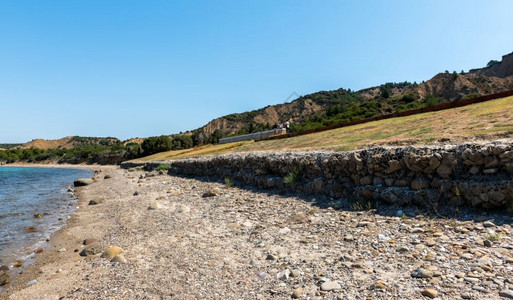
x=501 y=70
x=295 y=111
x=489 y=80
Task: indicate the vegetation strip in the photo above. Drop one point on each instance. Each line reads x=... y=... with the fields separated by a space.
x=433 y=108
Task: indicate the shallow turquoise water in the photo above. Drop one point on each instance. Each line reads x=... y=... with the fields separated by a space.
x=25 y=192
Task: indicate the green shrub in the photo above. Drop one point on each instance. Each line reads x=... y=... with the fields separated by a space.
x=163 y=167
x=292 y=176
x=228 y=182
x=157 y=144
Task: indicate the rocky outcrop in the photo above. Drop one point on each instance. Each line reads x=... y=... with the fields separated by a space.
x=478 y=175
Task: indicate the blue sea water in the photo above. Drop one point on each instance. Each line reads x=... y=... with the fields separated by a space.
x=26 y=192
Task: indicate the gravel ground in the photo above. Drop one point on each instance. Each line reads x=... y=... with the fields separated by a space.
x=185 y=238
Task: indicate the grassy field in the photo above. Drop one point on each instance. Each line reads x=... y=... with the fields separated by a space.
x=488 y=120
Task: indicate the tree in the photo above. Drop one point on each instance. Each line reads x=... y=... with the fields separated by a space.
x=182 y=142
x=385 y=93
x=199 y=138
x=492 y=62
x=216 y=135
x=157 y=144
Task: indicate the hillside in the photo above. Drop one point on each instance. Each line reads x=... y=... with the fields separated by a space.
x=68 y=142
x=8 y=146
x=483 y=121
x=328 y=107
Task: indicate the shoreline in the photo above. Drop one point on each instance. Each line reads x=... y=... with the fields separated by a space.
x=189 y=238
x=56 y=166
x=57 y=238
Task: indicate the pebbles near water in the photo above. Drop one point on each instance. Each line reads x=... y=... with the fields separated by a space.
x=208 y=241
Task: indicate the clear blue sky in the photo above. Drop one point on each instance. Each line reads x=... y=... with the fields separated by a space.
x=145 y=68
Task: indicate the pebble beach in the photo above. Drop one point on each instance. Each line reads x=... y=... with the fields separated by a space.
x=149 y=235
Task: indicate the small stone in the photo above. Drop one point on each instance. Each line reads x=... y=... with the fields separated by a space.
x=95 y=201
x=83 y=182
x=488 y=224
x=4 y=279
x=417 y=230
x=402 y=249
x=490 y=171
x=297 y=293
x=154 y=205
x=430 y=242
x=478 y=288
x=90 y=250
x=420 y=183
x=136 y=193
x=466 y=296
x=38 y=216
x=120 y=258
x=349 y=238
x=283 y=275
x=487 y=243
x=295 y=273
x=89 y=241
x=284 y=230
x=4 y=268
x=32 y=282
x=330 y=286
x=421 y=273
x=383 y=237
x=431 y=293
x=270 y=257
x=378 y=286
x=357 y=265
x=467 y=256
x=506 y=294
x=110 y=252
x=211 y=193
x=471 y=279
x=264 y=276
x=363 y=224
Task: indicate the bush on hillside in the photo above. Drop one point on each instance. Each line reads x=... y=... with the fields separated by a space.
x=156 y=144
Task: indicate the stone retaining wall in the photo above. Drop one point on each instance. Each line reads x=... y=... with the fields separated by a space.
x=478 y=175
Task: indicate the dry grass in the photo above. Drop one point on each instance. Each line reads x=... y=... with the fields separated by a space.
x=488 y=120
x=194 y=152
